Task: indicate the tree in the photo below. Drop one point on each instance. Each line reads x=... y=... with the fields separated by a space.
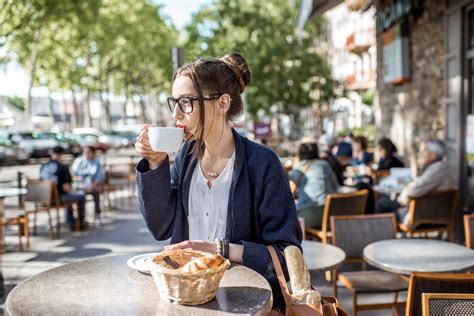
x=286 y=69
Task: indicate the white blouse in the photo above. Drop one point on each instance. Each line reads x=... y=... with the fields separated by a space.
x=208 y=206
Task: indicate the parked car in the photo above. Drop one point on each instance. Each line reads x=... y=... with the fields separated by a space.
x=10 y=152
x=90 y=137
x=35 y=144
x=114 y=139
x=65 y=140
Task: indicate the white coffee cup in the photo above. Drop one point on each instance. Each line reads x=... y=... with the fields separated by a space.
x=165 y=139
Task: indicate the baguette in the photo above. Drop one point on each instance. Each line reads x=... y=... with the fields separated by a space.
x=300 y=278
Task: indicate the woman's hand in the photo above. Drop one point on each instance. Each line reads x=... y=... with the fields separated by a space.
x=200 y=245
x=143 y=148
x=235 y=251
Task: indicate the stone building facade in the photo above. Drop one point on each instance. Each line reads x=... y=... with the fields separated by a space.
x=413 y=110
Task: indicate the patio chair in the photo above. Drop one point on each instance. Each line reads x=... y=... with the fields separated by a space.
x=20 y=220
x=441 y=304
x=339 y=204
x=469 y=230
x=352 y=234
x=39 y=194
x=432 y=212
x=435 y=283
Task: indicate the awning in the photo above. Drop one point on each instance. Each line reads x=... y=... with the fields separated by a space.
x=311 y=8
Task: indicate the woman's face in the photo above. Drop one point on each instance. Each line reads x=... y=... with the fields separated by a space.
x=356 y=146
x=382 y=152
x=183 y=87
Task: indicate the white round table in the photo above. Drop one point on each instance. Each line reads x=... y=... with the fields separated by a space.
x=322 y=257
x=107 y=286
x=405 y=256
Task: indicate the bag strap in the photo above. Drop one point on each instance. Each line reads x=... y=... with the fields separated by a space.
x=303 y=172
x=280 y=276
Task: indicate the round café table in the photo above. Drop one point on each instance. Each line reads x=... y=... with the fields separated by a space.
x=107 y=286
x=322 y=257
x=404 y=256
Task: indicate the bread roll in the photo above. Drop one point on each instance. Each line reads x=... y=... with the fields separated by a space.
x=300 y=279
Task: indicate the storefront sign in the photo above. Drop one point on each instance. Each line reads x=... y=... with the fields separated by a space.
x=262 y=130
x=394 y=12
x=396 y=54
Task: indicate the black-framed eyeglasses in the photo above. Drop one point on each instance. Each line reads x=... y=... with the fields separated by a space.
x=186 y=104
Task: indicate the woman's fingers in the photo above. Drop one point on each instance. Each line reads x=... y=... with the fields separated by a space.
x=183 y=244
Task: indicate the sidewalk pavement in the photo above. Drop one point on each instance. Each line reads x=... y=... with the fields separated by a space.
x=122 y=231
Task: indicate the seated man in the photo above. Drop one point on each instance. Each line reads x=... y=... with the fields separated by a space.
x=91 y=176
x=437 y=176
x=58 y=172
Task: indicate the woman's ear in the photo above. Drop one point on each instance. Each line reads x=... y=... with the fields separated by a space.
x=224 y=103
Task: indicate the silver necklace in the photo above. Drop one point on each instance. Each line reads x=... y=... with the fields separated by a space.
x=210 y=173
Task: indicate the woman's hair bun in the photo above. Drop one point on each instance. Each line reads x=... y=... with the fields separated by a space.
x=239 y=66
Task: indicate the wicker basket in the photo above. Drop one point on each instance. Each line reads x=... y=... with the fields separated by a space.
x=188 y=288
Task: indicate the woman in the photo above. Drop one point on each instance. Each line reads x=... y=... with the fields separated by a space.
x=359 y=151
x=221 y=185
x=388 y=155
x=314 y=179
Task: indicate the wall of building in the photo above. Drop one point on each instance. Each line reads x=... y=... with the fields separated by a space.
x=413 y=111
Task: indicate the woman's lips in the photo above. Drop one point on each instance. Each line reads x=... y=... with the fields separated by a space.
x=181 y=125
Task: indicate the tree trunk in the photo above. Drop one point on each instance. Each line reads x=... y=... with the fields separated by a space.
x=124 y=110
x=143 y=110
x=33 y=65
x=74 y=117
x=64 y=111
x=87 y=110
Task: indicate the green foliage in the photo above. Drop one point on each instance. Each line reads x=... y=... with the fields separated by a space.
x=121 y=46
x=17 y=102
x=367 y=131
x=368 y=97
x=286 y=69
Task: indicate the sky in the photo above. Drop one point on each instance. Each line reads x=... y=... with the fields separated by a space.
x=14 y=81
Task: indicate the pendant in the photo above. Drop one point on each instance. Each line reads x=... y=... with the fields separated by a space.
x=212 y=174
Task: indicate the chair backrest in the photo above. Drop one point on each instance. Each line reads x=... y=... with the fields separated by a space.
x=343 y=204
x=437 y=207
x=353 y=233
x=435 y=283
x=39 y=192
x=440 y=304
x=469 y=230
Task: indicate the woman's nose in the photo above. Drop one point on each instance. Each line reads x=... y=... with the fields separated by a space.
x=177 y=113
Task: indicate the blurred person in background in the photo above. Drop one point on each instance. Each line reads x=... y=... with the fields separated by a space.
x=344 y=147
x=327 y=143
x=359 y=151
x=388 y=155
x=436 y=176
x=58 y=172
x=314 y=179
x=90 y=177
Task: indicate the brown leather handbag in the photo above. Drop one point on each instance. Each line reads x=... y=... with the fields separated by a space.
x=328 y=307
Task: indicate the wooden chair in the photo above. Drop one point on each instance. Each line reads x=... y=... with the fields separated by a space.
x=21 y=221
x=435 y=283
x=469 y=230
x=39 y=194
x=432 y=212
x=378 y=175
x=441 y=304
x=339 y=204
x=352 y=234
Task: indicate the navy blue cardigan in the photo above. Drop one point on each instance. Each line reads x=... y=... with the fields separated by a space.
x=261 y=209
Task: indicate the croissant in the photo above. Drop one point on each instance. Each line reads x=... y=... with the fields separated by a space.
x=203 y=263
